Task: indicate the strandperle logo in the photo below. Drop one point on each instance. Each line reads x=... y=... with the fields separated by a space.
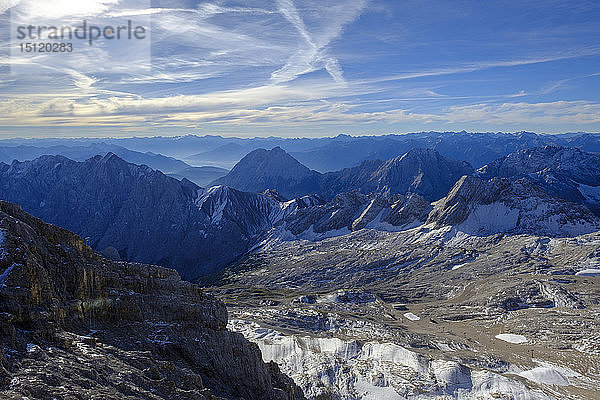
x=84 y=31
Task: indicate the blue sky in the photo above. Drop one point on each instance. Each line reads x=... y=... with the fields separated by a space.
x=309 y=68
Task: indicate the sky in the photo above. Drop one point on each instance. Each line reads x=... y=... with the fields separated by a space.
x=305 y=68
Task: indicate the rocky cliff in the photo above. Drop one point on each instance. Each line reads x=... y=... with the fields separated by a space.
x=498 y=205
x=75 y=325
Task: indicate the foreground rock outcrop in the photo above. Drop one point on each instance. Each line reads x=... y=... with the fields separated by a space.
x=75 y=325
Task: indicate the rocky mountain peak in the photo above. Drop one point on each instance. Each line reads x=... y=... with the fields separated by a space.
x=422 y=171
x=275 y=169
x=564 y=172
x=499 y=205
x=580 y=166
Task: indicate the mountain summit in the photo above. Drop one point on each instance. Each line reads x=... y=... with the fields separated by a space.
x=421 y=171
x=271 y=169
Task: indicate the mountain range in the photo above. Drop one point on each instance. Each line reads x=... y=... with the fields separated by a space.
x=420 y=171
x=135 y=213
x=564 y=172
x=331 y=153
x=83 y=152
x=416 y=277
x=141 y=213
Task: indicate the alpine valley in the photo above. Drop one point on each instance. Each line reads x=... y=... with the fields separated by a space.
x=419 y=266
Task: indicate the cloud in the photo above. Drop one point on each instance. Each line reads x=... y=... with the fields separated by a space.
x=312 y=53
x=483 y=65
x=6 y=4
x=548 y=113
x=36 y=9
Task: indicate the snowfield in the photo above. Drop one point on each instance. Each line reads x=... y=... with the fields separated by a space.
x=510 y=338
x=546 y=375
x=353 y=370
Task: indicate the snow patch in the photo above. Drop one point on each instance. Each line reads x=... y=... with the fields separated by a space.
x=490 y=218
x=350 y=369
x=546 y=376
x=589 y=272
x=31 y=347
x=411 y=316
x=550 y=374
x=455 y=267
x=380 y=225
x=511 y=338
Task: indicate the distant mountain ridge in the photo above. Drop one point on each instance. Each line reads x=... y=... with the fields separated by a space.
x=420 y=171
x=82 y=153
x=334 y=153
x=201 y=176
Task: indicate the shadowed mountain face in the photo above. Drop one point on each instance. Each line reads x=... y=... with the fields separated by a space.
x=271 y=169
x=563 y=172
x=421 y=171
x=143 y=214
x=75 y=325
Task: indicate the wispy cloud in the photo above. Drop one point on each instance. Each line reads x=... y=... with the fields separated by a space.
x=315 y=65
x=312 y=53
x=484 y=65
x=544 y=114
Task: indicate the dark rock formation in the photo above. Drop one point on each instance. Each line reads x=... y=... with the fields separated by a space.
x=147 y=216
x=271 y=169
x=75 y=325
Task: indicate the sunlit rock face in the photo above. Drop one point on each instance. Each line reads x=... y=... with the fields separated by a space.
x=564 y=172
